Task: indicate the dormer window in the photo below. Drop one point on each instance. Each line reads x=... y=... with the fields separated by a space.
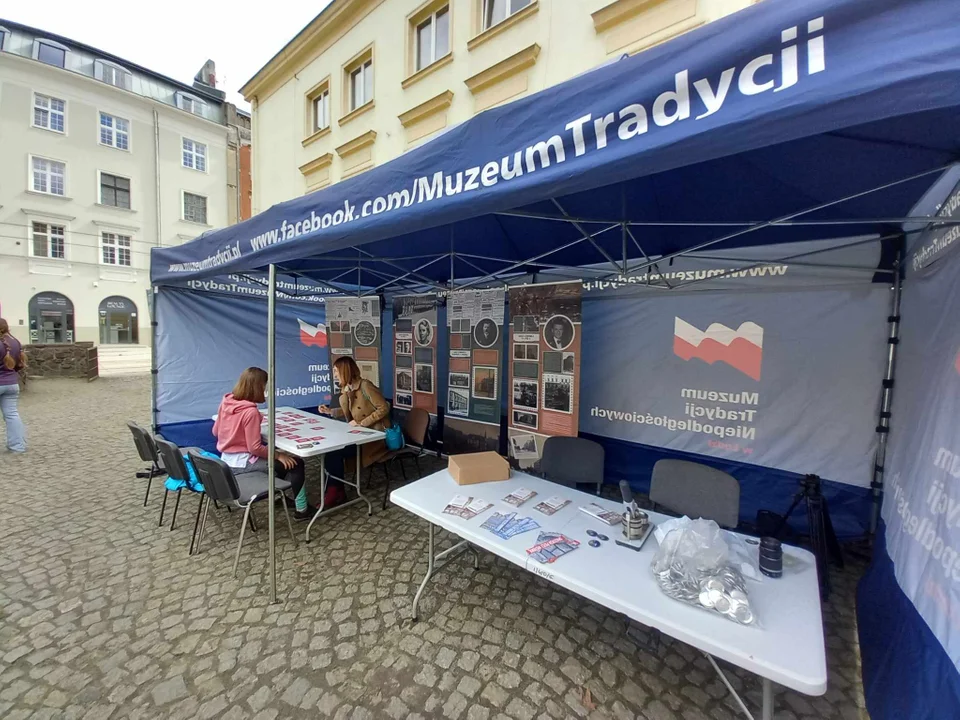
x=112 y=74
x=50 y=52
x=190 y=104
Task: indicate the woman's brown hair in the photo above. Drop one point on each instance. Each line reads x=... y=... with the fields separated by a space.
x=4 y=327
x=252 y=385
x=348 y=369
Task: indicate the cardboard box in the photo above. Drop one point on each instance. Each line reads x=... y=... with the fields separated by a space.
x=474 y=468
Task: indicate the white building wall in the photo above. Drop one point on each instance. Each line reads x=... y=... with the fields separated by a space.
x=81 y=275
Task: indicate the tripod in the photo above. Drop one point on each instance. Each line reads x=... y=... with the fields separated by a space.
x=822 y=537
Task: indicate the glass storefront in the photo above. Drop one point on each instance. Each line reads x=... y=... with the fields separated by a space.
x=51 y=318
x=118 y=321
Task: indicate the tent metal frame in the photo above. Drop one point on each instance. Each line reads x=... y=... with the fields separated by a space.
x=406 y=278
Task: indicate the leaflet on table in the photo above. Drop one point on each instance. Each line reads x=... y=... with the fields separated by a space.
x=519 y=496
x=610 y=517
x=551 y=505
x=466 y=507
x=506 y=525
x=551 y=546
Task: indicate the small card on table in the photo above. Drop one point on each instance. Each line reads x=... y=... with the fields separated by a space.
x=466 y=507
x=519 y=496
x=551 y=505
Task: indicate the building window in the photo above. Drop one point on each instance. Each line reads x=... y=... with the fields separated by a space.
x=433 y=38
x=51 y=318
x=321 y=111
x=3 y=37
x=195 y=208
x=51 y=53
x=190 y=104
x=48 y=240
x=49 y=176
x=114 y=191
x=49 y=113
x=114 y=132
x=496 y=11
x=115 y=249
x=118 y=320
x=361 y=85
x=194 y=155
x=111 y=74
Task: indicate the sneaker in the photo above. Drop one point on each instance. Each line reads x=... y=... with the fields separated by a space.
x=301 y=515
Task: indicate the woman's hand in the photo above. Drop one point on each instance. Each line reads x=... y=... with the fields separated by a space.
x=354 y=423
x=287 y=461
x=324 y=410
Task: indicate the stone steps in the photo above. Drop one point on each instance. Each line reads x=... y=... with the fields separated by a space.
x=116 y=360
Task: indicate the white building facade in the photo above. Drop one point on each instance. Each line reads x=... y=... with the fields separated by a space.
x=100 y=161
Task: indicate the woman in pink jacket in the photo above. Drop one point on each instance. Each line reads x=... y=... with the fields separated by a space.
x=239 y=442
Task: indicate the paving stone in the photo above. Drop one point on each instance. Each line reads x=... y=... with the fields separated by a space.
x=169 y=690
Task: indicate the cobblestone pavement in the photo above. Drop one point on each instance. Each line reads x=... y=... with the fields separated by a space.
x=104 y=615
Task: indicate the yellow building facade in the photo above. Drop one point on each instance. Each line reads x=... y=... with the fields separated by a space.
x=367 y=80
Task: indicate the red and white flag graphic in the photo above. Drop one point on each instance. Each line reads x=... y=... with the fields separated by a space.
x=741 y=348
x=313 y=334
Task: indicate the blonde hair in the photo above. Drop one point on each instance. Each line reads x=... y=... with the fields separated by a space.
x=251 y=386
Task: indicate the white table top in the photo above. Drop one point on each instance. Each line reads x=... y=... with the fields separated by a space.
x=297 y=427
x=787 y=648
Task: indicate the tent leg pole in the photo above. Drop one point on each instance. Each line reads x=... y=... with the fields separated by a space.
x=271 y=420
x=886 y=404
x=154 y=414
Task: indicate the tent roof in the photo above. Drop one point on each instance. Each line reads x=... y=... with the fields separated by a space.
x=814 y=114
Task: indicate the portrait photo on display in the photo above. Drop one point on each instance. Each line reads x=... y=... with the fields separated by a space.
x=558 y=332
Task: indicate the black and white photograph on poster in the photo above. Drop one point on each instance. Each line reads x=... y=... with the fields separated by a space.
x=526 y=352
x=424 y=378
x=485 y=382
x=459 y=325
x=423 y=332
x=340 y=326
x=460 y=380
x=365 y=333
x=558 y=393
x=403 y=400
x=525 y=324
x=526 y=370
x=525 y=419
x=404 y=361
x=525 y=394
x=486 y=333
x=404 y=381
x=558 y=332
x=423 y=355
x=552 y=361
x=568 y=363
x=524 y=447
x=364 y=307
x=342 y=351
x=458 y=402
x=519 y=352
x=403 y=327
x=404 y=347
x=370 y=370
x=460 y=353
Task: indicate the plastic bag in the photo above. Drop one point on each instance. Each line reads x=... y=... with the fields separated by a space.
x=694 y=564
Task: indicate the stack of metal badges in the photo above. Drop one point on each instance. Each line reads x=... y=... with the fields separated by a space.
x=721 y=589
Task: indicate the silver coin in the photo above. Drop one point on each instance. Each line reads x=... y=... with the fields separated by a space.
x=705 y=599
x=722 y=604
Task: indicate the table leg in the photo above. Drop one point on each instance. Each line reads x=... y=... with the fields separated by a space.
x=767 y=699
x=737 y=697
x=426 y=579
x=323 y=495
x=360 y=494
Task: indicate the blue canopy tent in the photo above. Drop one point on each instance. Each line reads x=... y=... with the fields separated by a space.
x=787 y=122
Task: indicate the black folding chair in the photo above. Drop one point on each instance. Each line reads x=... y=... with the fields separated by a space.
x=572 y=461
x=415 y=433
x=173 y=460
x=241 y=491
x=147 y=449
x=688 y=488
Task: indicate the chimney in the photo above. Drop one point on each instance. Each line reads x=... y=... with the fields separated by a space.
x=206 y=79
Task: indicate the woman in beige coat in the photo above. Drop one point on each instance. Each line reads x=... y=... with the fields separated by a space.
x=363 y=405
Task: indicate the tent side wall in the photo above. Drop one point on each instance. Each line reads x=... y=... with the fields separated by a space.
x=907 y=602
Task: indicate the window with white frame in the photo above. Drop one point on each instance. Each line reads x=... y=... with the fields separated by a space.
x=115 y=248
x=48 y=240
x=190 y=104
x=112 y=74
x=194 y=208
x=496 y=11
x=194 y=155
x=321 y=111
x=433 y=38
x=361 y=85
x=114 y=131
x=49 y=176
x=49 y=113
x=51 y=53
x=114 y=191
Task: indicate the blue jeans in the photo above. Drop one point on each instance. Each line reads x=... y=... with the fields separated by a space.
x=16 y=437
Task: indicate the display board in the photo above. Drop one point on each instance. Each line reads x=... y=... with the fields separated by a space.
x=415 y=344
x=475 y=323
x=544 y=351
x=353 y=326
x=784 y=379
